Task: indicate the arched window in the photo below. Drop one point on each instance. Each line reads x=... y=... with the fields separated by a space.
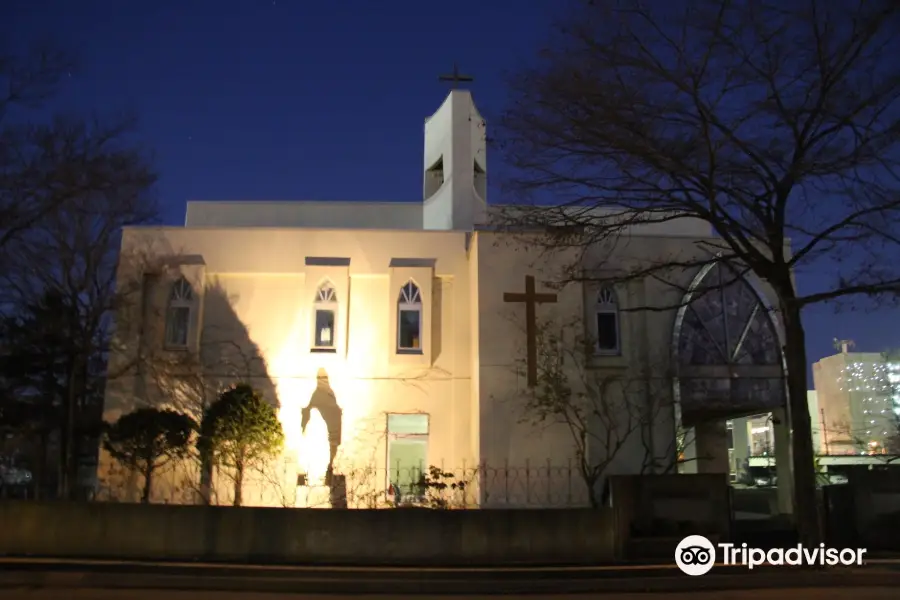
x=178 y=313
x=325 y=318
x=409 y=320
x=606 y=314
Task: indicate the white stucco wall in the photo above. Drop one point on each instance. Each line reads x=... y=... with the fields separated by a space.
x=257 y=284
x=538 y=461
x=455 y=135
x=544 y=457
x=336 y=214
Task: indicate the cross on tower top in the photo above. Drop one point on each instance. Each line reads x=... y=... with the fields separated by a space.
x=455 y=78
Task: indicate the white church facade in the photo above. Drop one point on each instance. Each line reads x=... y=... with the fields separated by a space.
x=395 y=336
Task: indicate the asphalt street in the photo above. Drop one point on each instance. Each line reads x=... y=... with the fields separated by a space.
x=80 y=579
x=792 y=594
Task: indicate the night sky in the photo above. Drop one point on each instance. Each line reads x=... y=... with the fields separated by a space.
x=294 y=100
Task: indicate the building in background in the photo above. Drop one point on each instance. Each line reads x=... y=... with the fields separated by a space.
x=855 y=412
x=857 y=409
x=752 y=444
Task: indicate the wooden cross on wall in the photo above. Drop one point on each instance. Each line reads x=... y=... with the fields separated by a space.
x=531 y=299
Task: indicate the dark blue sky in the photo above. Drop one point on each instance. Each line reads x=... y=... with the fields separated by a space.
x=295 y=100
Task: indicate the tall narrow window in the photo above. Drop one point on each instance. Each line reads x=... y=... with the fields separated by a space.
x=325 y=319
x=409 y=320
x=178 y=313
x=407 y=456
x=607 y=322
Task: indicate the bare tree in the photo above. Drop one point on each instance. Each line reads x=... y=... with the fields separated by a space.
x=27 y=177
x=67 y=187
x=45 y=166
x=603 y=411
x=72 y=255
x=776 y=123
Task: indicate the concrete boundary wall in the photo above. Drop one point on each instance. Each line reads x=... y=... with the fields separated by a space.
x=306 y=536
x=865 y=512
x=673 y=505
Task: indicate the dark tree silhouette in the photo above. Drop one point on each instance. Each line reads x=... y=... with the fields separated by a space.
x=40 y=364
x=67 y=187
x=777 y=123
x=147 y=439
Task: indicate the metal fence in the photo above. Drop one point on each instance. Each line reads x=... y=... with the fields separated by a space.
x=529 y=485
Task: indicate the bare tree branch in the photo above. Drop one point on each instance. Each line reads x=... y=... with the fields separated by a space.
x=776 y=124
x=600 y=410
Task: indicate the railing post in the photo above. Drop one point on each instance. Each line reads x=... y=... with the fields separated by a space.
x=527 y=482
x=506 y=483
x=549 y=484
x=464 y=478
x=482 y=481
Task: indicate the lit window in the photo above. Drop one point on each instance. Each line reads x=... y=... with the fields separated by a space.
x=607 y=322
x=178 y=313
x=407 y=456
x=409 y=320
x=324 y=318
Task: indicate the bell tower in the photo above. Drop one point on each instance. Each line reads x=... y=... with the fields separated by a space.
x=455 y=165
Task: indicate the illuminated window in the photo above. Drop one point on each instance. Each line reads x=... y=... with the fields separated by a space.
x=607 y=322
x=324 y=319
x=407 y=456
x=409 y=320
x=761 y=440
x=178 y=313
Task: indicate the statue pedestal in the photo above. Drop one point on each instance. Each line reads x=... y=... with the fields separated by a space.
x=318 y=496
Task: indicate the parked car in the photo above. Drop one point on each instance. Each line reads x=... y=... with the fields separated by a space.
x=766 y=481
x=14 y=476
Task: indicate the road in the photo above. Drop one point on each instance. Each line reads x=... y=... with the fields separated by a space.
x=48 y=579
x=791 y=594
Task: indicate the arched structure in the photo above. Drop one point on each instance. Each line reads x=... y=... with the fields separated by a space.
x=726 y=350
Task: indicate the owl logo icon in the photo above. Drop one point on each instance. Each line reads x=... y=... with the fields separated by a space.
x=695 y=555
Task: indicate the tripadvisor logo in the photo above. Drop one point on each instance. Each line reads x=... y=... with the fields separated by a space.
x=696 y=555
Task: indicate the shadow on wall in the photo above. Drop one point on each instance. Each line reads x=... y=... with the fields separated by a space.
x=324 y=401
x=227 y=356
x=227 y=353
x=188 y=380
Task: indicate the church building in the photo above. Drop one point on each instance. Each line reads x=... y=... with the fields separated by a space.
x=397 y=336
